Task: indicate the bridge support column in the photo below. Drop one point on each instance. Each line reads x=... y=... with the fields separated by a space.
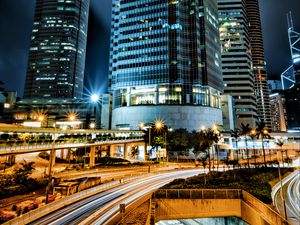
x=92 y=156
x=52 y=157
x=125 y=151
x=62 y=153
x=145 y=151
x=68 y=154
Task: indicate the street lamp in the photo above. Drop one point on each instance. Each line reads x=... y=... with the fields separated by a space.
x=94 y=99
x=92 y=125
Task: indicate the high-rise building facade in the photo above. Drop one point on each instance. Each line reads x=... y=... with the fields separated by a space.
x=278 y=108
x=236 y=60
x=57 y=50
x=165 y=63
x=259 y=65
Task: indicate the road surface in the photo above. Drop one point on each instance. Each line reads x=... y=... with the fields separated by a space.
x=291 y=191
x=102 y=207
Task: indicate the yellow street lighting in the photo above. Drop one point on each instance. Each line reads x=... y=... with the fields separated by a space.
x=265 y=131
x=72 y=117
x=158 y=124
x=253 y=132
x=41 y=118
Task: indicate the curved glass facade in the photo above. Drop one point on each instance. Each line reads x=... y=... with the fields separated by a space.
x=165 y=52
x=57 y=50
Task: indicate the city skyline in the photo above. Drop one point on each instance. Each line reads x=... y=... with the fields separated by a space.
x=97 y=52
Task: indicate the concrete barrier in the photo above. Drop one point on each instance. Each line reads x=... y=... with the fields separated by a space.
x=204 y=203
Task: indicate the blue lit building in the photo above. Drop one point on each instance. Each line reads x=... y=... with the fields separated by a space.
x=57 y=50
x=165 y=63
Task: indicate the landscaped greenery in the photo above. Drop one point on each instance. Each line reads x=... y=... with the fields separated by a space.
x=19 y=181
x=254 y=181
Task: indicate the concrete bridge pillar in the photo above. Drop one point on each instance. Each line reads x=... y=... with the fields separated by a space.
x=68 y=154
x=145 y=151
x=52 y=158
x=92 y=156
x=62 y=153
x=125 y=151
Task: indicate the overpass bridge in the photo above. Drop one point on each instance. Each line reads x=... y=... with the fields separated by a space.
x=21 y=140
x=176 y=204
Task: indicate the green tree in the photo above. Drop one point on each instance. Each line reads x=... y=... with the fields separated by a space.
x=134 y=151
x=21 y=175
x=245 y=131
x=179 y=140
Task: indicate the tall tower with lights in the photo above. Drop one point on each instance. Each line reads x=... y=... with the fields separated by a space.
x=57 y=50
x=165 y=63
x=259 y=65
x=237 y=68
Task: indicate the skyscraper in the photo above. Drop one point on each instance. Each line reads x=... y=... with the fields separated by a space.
x=165 y=63
x=292 y=93
x=57 y=50
x=259 y=65
x=236 y=60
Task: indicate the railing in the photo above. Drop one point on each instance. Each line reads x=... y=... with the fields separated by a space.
x=198 y=193
x=270 y=215
x=10 y=149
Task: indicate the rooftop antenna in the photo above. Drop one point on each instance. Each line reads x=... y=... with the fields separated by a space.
x=290 y=20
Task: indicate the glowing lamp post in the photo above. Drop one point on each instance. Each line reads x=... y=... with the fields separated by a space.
x=94 y=99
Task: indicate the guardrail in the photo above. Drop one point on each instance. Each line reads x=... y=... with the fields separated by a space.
x=198 y=194
x=40 y=212
x=32 y=148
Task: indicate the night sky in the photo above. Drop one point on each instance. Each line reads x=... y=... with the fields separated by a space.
x=16 y=18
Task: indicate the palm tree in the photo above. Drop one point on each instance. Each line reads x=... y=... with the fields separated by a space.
x=245 y=130
x=235 y=134
x=263 y=133
x=207 y=138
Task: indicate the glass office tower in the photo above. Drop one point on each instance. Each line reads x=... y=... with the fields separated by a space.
x=259 y=64
x=57 y=50
x=165 y=63
x=237 y=68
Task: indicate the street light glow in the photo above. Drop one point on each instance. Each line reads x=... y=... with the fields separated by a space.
x=94 y=97
x=159 y=124
x=41 y=118
x=92 y=125
x=72 y=117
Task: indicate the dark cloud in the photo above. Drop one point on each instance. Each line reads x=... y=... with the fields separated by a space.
x=16 y=17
